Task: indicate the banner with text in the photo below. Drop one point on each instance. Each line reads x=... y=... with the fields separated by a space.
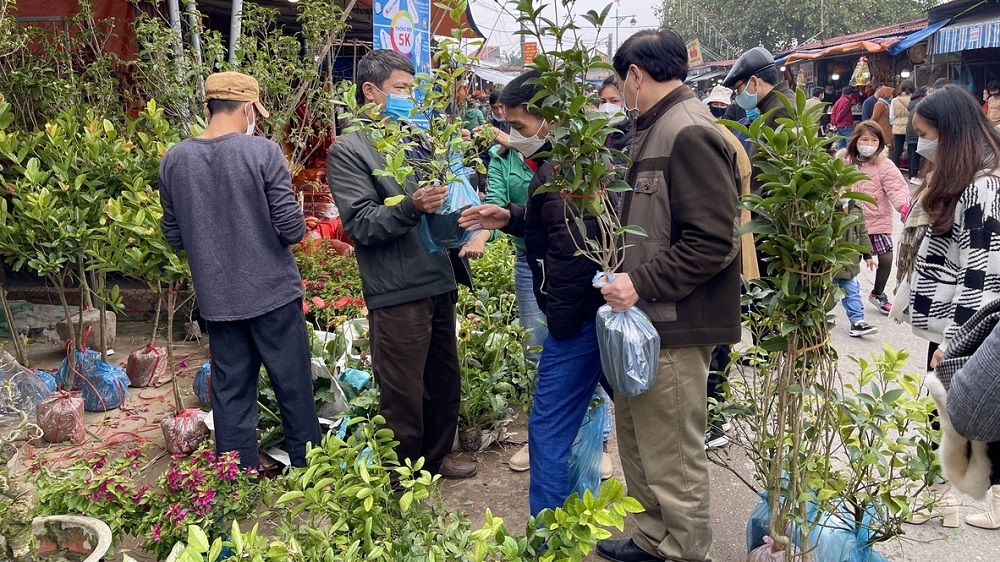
x=694 y=53
x=405 y=27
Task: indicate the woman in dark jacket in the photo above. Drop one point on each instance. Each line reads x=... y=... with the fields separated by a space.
x=569 y=369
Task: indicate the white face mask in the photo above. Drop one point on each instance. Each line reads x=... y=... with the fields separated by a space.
x=251 y=118
x=614 y=112
x=927 y=148
x=526 y=145
x=867 y=151
x=631 y=112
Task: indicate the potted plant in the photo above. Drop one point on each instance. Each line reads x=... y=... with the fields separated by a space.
x=824 y=448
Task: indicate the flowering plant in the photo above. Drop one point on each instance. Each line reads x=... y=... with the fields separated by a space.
x=204 y=489
x=331 y=282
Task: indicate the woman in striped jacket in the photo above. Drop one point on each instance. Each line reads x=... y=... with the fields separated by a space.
x=956 y=269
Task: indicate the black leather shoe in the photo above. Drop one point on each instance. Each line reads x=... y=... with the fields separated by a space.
x=624 y=551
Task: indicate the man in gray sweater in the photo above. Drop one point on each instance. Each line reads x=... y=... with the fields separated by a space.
x=228 y=203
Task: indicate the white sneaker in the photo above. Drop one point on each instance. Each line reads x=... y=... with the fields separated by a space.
x=520 y=461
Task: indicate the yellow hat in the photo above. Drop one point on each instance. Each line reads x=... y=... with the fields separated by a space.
x=235 y=86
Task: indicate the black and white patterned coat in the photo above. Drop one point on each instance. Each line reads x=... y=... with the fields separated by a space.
x=956 y=273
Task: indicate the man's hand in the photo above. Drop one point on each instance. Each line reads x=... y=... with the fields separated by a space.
x=429 y=199
x=937 y=358
x=484 y=217
x=872 y=264
x=476 y=246
x=620 y=294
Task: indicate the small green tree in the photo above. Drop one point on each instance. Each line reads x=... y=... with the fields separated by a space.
x=133 y=242
x=583 y=172
x=798 y=412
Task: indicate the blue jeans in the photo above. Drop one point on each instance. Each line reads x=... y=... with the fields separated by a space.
x=568 y=373
x=852 y=299
x=845 y=132
x=530 y=317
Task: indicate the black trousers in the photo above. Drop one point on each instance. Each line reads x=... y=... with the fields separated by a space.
x=278 y=340
x=415 y=363
x=913 y=168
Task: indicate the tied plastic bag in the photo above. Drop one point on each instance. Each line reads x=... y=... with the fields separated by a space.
x=203 y=384
x=184 y=431
x=85 y=362
x=834 y=537
x=440 y=229
x=104 y=388
x=587 y=453
x=767 y=553
x=60 y=416
x=354 y=382
x=20 y=388
x=48 y=379
x=145 y=366
x=630 y=346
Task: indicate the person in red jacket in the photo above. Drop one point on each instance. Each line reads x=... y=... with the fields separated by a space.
x=841 y=116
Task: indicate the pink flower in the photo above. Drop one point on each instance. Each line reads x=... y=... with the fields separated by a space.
x=156 y=532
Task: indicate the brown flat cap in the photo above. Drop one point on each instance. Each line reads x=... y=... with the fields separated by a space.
x=235 y=86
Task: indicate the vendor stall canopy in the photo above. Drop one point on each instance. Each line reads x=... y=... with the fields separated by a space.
x=54 y=14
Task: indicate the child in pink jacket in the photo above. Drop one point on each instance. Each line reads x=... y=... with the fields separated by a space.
x=866 y=149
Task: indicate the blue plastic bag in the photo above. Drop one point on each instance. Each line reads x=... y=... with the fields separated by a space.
x=353 y=382
x=440 y=229
x=203 y=383
x=629 y=344
x=104 y=387
x=833 y=539
x=85 y=362
x=48 y=379
x=587 y=453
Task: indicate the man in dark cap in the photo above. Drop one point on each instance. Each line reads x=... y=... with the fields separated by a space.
x=758 y=87
x=842 y=117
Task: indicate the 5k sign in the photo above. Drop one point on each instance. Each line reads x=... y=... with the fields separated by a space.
x=404 y=27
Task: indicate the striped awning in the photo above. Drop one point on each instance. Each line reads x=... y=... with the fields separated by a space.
x=981 y=31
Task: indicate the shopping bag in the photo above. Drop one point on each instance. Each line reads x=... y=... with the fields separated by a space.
x=629 y=345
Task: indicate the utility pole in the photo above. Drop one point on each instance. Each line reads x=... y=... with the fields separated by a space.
x=235 y=29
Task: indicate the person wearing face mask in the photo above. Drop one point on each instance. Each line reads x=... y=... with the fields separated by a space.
x=228 y=203
x=569 y=368
x=610 y=100
x=885 y=184
x=759 y=90
x=685 y=275
x=410 y=292
x=947 y=253
x=718 y=101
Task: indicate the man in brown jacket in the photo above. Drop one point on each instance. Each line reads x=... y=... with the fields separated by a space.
x=684 y=274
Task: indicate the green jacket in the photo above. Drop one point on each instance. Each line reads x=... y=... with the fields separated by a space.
x=508 y=179
x=473 y=118
x=857 y=234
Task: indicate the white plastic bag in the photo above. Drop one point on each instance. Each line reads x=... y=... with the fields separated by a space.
x=630 y=346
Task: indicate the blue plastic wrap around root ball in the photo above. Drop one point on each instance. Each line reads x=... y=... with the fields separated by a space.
x=104 y=387
x=587 y=454
x=630 y=350
x=440 y=229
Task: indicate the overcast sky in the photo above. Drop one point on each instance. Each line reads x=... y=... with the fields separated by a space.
x=497 y=22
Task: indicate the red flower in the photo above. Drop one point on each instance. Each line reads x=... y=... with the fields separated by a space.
x=318 y=302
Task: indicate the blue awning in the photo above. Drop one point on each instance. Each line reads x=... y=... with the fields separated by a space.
x=978 y=32
x=916 y=37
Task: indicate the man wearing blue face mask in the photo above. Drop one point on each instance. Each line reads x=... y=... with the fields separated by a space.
x=410 y=292
x=758 y=86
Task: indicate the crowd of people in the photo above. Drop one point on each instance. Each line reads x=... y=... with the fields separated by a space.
x=687 y=173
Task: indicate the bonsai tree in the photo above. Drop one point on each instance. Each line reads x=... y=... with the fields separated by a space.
x=820 y=444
